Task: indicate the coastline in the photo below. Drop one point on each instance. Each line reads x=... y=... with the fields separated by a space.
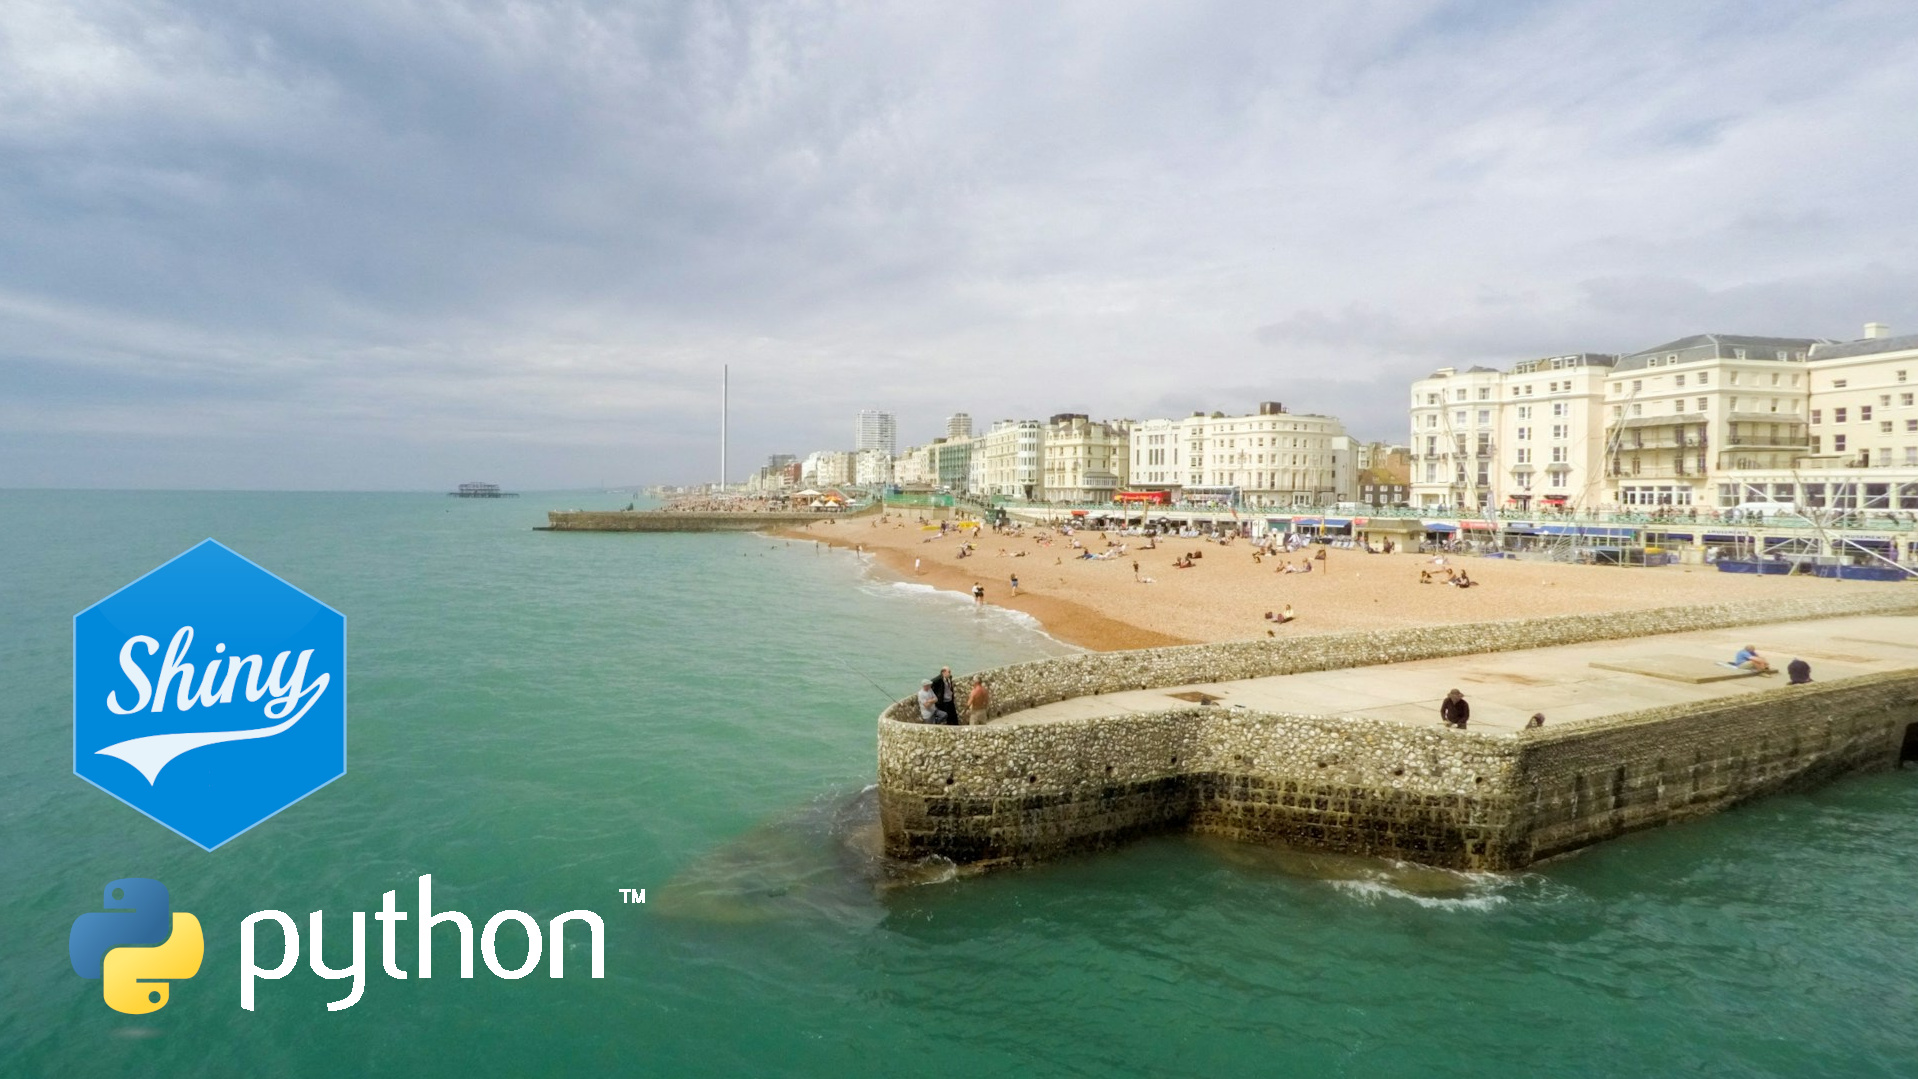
x=1062 y=619
x=1101 y=606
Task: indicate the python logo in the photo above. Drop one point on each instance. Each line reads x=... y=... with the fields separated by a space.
x=137 y=946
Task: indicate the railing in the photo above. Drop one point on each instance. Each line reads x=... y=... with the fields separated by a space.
x=1877 y=520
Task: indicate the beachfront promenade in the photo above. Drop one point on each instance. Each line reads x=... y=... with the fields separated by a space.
x=1332 y=742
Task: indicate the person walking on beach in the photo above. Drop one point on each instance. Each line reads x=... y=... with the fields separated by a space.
x=978 y=594
x=1015 y=584
x=978 y=702
x=915 y=567
x=1453 y=711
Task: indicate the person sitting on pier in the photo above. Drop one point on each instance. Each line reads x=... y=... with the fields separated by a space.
x=928 y=701
x=1749 y=659
x=1453 y=711
x=1798 y=671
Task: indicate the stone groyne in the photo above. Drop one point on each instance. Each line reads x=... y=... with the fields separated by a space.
x=671 y=521
x=1007 y=794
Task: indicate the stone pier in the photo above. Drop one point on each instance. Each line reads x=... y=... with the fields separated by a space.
x=1331 y=742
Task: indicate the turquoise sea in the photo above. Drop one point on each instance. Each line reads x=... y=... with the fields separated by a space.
x=539 y=720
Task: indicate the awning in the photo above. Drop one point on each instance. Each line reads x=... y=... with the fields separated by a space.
x=1440 y=526
x=1721 y=537
x=1476 y=526
x=1078 y=513
x=1328 y=522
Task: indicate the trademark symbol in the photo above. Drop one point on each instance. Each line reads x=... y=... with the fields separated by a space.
x=632 y=895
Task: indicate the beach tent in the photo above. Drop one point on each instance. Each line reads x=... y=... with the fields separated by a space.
x=807 y=493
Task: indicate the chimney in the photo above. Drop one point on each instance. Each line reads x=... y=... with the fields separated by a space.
x=1271 y=408
x=1874 y=330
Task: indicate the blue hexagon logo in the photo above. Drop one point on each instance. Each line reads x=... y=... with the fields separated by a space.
x=209 y=694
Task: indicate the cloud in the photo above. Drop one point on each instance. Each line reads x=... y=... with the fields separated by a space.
x=381 y=238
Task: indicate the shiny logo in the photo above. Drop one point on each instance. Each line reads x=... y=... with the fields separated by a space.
x=137 y=946
x=209 y=694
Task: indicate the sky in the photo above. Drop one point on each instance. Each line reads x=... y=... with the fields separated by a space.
x=391 y=244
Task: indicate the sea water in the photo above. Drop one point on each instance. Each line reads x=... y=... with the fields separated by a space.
x=540 y=720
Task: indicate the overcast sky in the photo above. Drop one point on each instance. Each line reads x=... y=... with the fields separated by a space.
x=392 y=244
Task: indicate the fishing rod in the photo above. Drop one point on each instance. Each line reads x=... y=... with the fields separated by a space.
x=890 y=699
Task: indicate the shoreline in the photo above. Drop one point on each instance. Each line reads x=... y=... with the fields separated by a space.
x=1061 y=619
x=1102 y=605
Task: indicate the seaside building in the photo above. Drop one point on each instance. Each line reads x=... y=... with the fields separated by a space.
x=1268 y=458
x=1681 y=413
x=1862 y=424
x=1083 y=460
x=872 y=468
x=825 y=468
x=914 y=467
x=1551 y=432
x=958 y=425
x=1455 y=422
x=877 y=431
x=951 y=460
x=1009 y=462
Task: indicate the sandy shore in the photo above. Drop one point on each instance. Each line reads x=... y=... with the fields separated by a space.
x=1099 y=605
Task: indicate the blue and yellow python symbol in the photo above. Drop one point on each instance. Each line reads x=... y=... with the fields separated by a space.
x=136 y=946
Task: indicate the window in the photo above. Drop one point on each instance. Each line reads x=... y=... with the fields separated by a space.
x=1525 y=434
x=1559 y=430
x=1484 y=415
x=1837 y=383
x=1431 y=398
x=1739 y=353
x=1838 y=415
x=1818 y=415
x=1911 y=425
x=1838 y=443
x=1525 y=412
x=1884 y=426
x=1524 y=455
x=1774 y=374
x=1734 y=378
x=1901 y=376
x=1678 y=380
x=1884 y=400
x=1558 y=408
x=1459 y=418
x=1704 y=404
x=1704 y=378
x=1864 y=412
x=1637 y=384
x=1432 y=420
x=1638 y=410
x=1485 y=393
x=1618 y=411
x=1904 y=399
x=1461 y=394
x=1815 y=440
x=1558 y=455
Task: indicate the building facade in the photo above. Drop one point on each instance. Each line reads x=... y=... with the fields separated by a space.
x=877 y=431
x=1268 y=458
x=1551 y=434
x=958 y=425
x=1010 y=460
x=1455 y=425
x=1680 y=414
x=1083 y=460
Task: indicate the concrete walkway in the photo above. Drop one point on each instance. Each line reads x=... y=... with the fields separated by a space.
x=1578 y=681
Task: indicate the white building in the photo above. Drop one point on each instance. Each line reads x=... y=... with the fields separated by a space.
x=1455 y=424
x=1550 y=445
x=827 y=468
x=872 y=468
x=1083 y=460
x=1681 y=413
x=1007 y=461
x=1862 y=418
x=914 y=467
x=877 y=431
x=958 y=425
x=1270 y=458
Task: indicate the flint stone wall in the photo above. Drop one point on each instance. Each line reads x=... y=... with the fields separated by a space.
x=1016 y=793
